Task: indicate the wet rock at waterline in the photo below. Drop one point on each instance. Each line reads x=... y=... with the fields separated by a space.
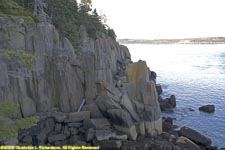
x=207 y=108
x=195 y=136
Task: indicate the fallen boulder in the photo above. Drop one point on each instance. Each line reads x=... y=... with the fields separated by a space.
x=195 y=136
x=123 y=122
x=185 y=143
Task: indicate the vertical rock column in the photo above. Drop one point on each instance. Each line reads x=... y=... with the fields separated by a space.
x=143 y=94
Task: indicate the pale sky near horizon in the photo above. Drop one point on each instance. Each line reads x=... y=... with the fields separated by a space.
x=153 y=19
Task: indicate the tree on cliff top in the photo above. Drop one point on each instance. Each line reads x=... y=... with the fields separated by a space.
x=67 y=16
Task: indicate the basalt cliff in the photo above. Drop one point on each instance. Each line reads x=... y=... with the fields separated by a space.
x=99 y=89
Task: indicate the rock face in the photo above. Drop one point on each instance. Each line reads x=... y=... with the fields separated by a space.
x=207 y=108
x=59 y=81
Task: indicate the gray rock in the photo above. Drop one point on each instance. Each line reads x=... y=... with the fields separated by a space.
x=59 y=116
x=207 y=108
x=153 y=75
x=166 y=106
x=66 y=131
x=58 y=137
x=58 y=128
x=159 y=89
x=167 y=124
x=73 y=131
x=120 y=117
x=184 y=142
x=11 y=142
x=90 y=135
x=172 y=100
x=27 y=139
x=109 y=144
x=75 y=125
x=123 y=122
x=104 y=134
x=73 y=139
x=195 y=136
x=49 y=125
x=60 y=143
x=95 y=112
x=127 y=104
x=105 y=103
x=77 y=116
x=99 y=123
x=42 y=138
x=119 y=137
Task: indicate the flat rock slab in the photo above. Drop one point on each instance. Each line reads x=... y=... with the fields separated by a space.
x=186 y=143
x=100 y=123
x=78 y=116
x=195 y=136
x=58 y=116
x=104 y=134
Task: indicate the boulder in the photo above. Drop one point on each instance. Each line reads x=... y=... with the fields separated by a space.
x=167 y=124
x=98 y=123
x=78 y=116
x=58 y=137
x=123 y=122
x=159 y=89
x=207 y=108
x=172 y=100
x=73 y=139
x=75 y=124
x=109 y=144
x=58 y=116
x=104 y=134
x=27 y=139
x=90 y=134
x=42 y=138
x=11 y=142
x=119 y=137
x=94 y=111
x=195 y=136
x=73 y=131
x=184 y=142
x=165 y=105
x=58 y=127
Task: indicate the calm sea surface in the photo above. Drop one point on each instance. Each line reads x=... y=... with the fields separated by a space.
x=196 y=75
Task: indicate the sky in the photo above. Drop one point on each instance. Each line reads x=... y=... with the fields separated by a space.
x=162 y=19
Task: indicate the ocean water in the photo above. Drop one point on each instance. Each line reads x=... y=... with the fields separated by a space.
x=195 y=74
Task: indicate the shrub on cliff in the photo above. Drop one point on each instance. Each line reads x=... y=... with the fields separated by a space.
x=20 y=55
x=8 y=126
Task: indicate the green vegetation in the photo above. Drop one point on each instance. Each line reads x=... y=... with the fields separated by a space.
x=9 y=127
x=12 y=10
x=21 y=55
x=67 y=17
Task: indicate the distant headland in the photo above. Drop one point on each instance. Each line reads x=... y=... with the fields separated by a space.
x=203 y=40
